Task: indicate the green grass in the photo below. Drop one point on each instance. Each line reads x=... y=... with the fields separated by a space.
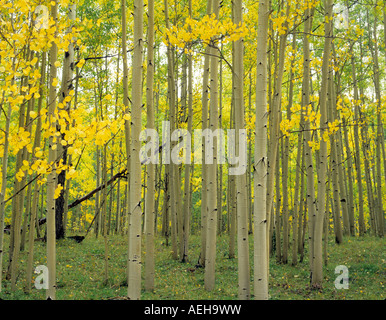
x=80 y=272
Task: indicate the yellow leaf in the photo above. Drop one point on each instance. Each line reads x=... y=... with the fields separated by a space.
x=26 y=71
x=80 y=63
x=58 y=190
x=33 y=61
x=33 y=114
x=72 y=173
x=39 y=154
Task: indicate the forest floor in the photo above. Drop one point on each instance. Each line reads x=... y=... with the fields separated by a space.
x=80 y=272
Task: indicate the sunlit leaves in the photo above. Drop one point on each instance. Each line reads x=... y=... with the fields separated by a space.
x=58 y=191
x=207 y=31
x=19 y=140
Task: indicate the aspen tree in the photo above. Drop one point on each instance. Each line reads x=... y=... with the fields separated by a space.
x=173 y=169
x=34 y=206
x=326 y=221
x=287 y=151
x=66 y=86
x=4 y=166
x=111 y=190
x=361 y=220
x=301 y=195
x=27 y=203
x=351 y=206
x=165 y=216
x=369 y=182
x=339 y=158
x=117 y=216
x=296 y=206
x=303 y=224
x=232 y=220
x=125 y=83
x=249 y=177
x=272 y=79
x=150 y=195
x=104 y=212
x=307 y=138
x=277 y=209
x=210 y=255
x=220 y=166
x=347 y=196
x=275 y=112
x=334 y=167
x=379 y=133
x=260 y=166
x=285 y=162
x=188 y=169
x=19 y=194
x=97 y=226
x=204 y=125
x=118 y=201
x=135 y=233
x=365 y=146
x=52 y=178
x=383 y=134
x=339 y=163
x=241 y=179
x=285 y=159
x=317 y=264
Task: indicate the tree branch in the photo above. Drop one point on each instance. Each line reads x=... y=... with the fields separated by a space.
x=101 y=187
